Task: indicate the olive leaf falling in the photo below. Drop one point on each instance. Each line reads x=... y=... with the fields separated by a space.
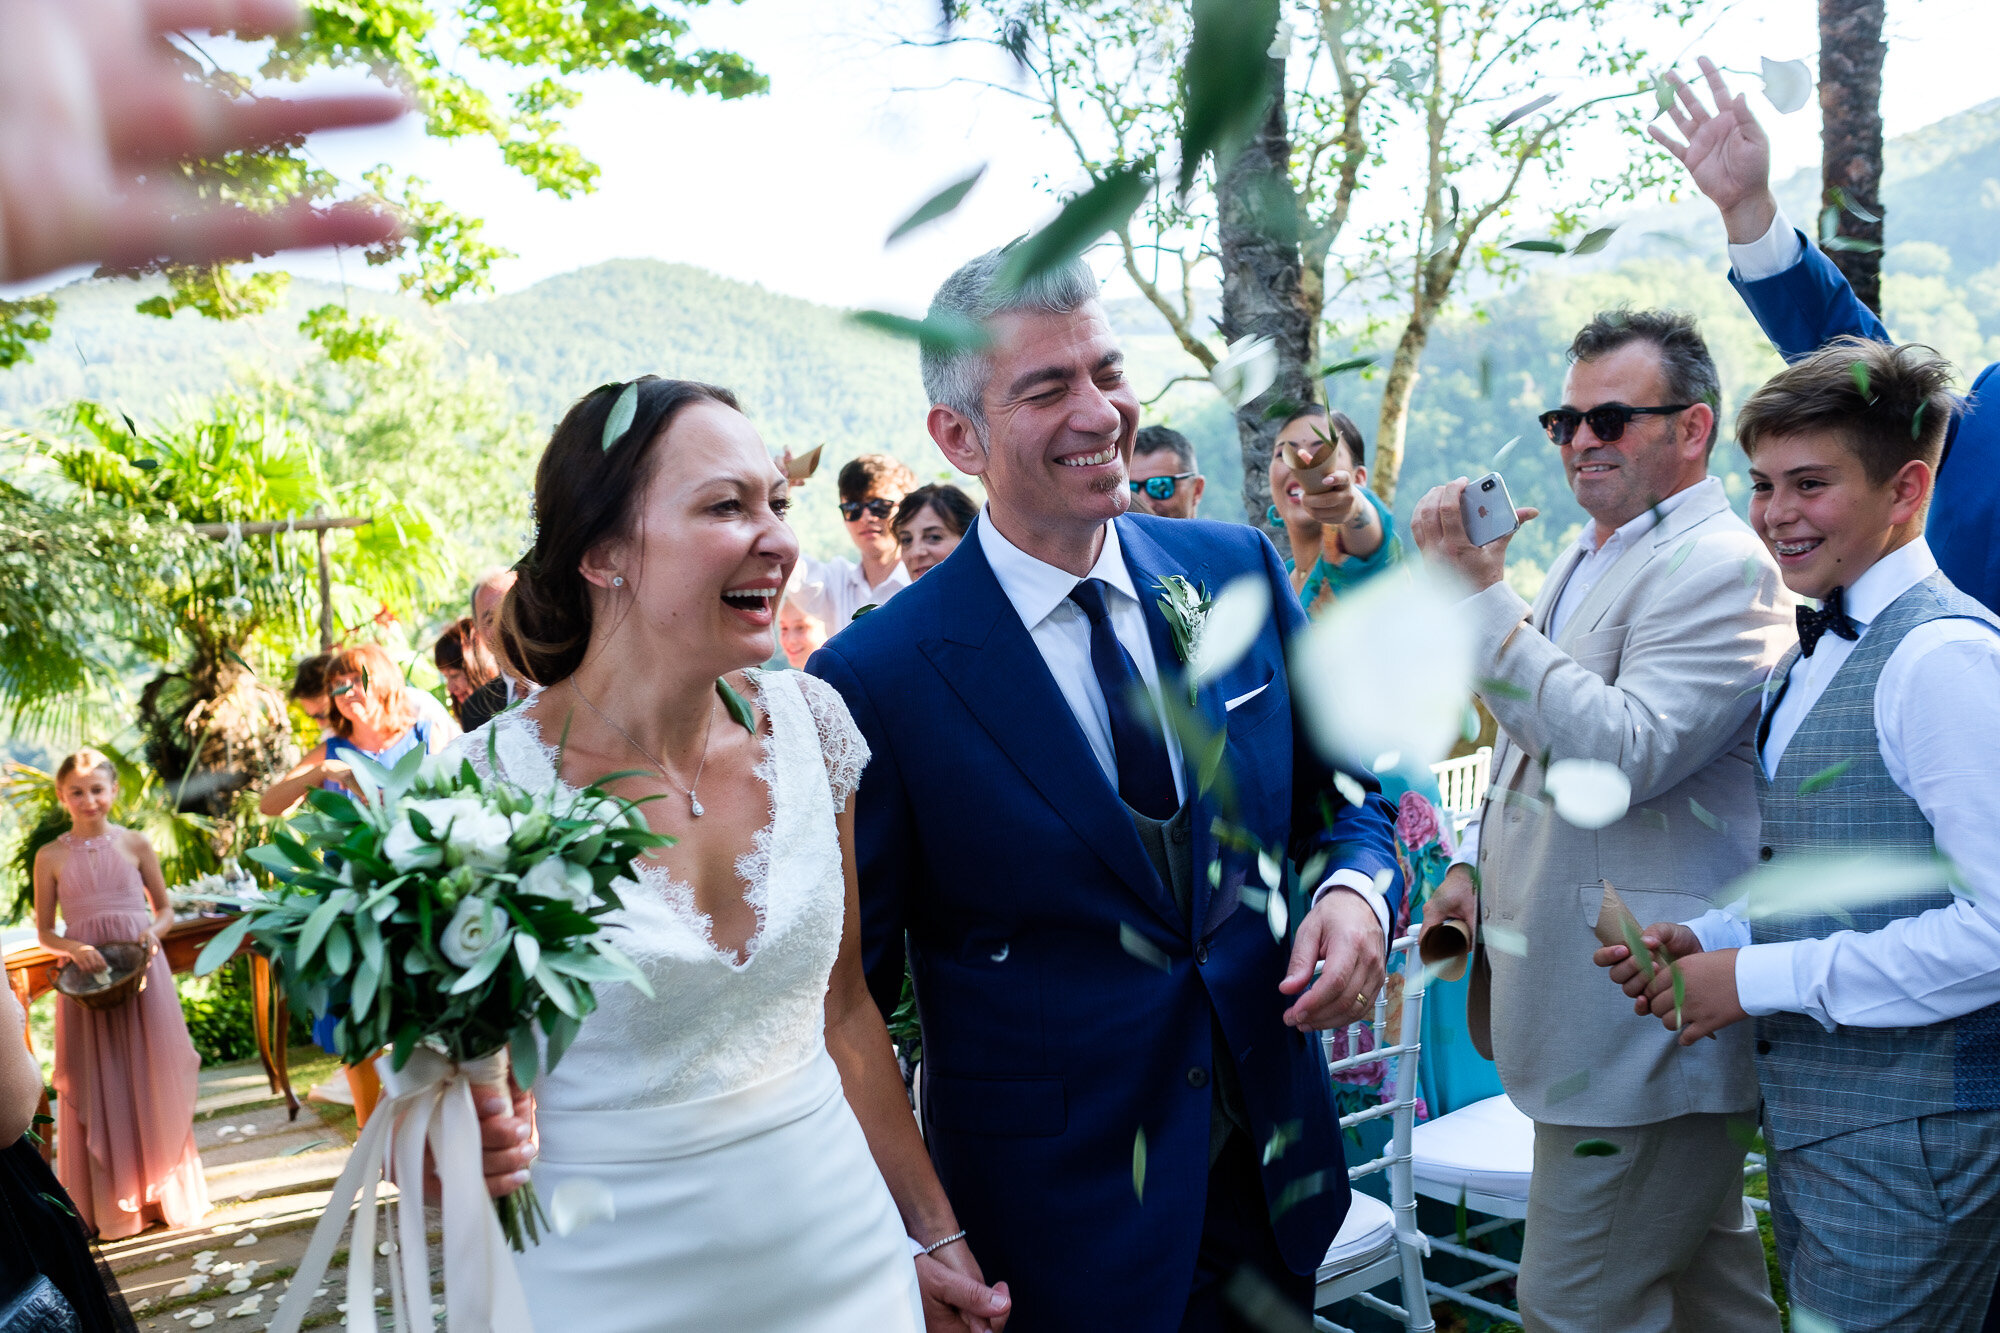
x=938 y=205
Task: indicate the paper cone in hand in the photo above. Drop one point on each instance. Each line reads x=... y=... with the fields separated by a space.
x=799 y=470
x=1617 y=925
x=1313 y=466
x=1615 y=922
x=1446 y=948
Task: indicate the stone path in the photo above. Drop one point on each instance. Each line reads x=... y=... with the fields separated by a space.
x=269 y=1179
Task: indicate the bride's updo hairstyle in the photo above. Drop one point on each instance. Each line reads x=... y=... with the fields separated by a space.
x=587 y=490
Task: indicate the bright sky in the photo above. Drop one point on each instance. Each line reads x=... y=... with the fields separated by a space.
x=796 y=189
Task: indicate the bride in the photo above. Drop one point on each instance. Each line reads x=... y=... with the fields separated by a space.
x=750 y=1193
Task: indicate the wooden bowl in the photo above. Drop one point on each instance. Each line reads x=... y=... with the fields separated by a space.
x=127 y=959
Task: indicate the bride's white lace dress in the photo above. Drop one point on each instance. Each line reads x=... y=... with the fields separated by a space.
x=745 y=1193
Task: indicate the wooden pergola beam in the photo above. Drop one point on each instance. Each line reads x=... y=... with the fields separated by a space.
x=319 y=527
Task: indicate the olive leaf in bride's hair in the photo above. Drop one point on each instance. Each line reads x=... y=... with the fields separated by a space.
x=622 y=413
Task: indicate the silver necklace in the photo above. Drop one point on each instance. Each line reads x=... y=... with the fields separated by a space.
x=694 y=802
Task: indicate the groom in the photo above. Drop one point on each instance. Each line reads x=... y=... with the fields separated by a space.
x=1123 y=1087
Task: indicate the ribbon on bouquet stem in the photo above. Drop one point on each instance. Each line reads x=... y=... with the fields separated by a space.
x=427 y=1105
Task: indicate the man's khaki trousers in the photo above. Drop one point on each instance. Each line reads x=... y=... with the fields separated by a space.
x=1652 y=1238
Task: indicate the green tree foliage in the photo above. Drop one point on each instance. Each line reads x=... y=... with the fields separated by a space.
x=211 y=725
x=1446 y=93
x=72 y=585
x=21 y=323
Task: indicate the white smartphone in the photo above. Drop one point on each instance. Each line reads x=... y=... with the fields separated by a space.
x=1488 y=509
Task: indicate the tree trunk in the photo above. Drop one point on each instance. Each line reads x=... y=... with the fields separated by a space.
x=1850 y=102
x=1394 y=423
x=1262 y=294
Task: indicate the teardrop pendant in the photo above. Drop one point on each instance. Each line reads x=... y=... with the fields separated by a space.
x=694 y=806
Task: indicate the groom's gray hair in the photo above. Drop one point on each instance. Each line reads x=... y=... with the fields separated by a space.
x=955 y=376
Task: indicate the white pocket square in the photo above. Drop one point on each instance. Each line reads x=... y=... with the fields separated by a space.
x=1242 y=699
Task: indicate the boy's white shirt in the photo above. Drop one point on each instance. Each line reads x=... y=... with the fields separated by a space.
x=1937 y=725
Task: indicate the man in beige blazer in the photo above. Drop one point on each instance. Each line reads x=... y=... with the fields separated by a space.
x=1645 y=649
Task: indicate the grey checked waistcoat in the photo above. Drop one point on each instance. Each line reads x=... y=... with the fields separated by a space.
x=1817 y=1083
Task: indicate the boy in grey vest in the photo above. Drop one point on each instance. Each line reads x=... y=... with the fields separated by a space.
x=1875 y=988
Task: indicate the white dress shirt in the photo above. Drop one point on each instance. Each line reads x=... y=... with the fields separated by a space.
x=1597 y=560
x=1770 y=254
x=1039 y=593
x=833 y=590
x=1937 y=725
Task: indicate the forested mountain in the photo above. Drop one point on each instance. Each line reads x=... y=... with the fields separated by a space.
x=807 y=375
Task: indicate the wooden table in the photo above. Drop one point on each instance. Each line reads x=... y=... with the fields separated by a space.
x=31 y=972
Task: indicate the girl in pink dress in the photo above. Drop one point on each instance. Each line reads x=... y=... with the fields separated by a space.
x=126 y=1076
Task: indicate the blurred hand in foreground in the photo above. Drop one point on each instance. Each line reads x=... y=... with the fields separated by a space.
x=96 y=113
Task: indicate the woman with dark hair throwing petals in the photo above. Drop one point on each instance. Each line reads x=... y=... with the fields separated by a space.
x=747 y=1126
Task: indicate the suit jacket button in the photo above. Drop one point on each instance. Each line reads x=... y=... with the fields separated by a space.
x=1179 y=834
x=1763 y=1047
x=1200 y=953
x=1764 y=853
x=1197 y=1077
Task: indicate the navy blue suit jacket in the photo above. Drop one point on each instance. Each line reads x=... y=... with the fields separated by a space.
x=1809 y=305
x=1066 y=1003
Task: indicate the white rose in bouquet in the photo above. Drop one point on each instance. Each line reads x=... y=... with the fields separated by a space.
x=407 y=850
x=473 y=927
x=473 y=832
x=563 y=880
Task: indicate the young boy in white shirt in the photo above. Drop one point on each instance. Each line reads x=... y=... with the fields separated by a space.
x=1877 y=1012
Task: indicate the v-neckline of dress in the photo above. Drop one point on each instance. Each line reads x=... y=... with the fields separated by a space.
x=752 y=868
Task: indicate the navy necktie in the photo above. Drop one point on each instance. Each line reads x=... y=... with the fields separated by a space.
x=1831 y=618
x=1145 y=774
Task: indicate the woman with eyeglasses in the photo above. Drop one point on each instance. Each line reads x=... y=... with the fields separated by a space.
x=930 y=523
x=371 y=714
x=1339 y=539
x=871 y=487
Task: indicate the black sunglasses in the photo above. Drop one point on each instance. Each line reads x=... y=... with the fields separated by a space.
x=1161 y=488
x=1607 y=423
x=880 y=508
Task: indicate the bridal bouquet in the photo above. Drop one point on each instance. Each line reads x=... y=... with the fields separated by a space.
x=444 y=915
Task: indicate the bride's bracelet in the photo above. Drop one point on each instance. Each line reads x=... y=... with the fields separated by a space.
x=937 y=1245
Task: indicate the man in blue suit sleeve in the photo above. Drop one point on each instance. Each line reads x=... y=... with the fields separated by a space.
x=1124 y=1087
x=1803 y=302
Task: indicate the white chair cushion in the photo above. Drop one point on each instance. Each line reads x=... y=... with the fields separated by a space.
x=1485 y=1148
x=1367 y=1232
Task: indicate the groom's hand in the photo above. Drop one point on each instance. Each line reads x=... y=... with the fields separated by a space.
x=1344 y=933
x=956 y=1297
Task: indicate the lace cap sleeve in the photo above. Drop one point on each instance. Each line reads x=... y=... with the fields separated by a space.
x=840 y=742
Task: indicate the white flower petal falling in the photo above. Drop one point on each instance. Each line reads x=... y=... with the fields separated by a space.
x=1234 y=621
x=577 y=1203
x=1788 y=84
x=1249 y=367
x=1368 y=686
x=1589 y=793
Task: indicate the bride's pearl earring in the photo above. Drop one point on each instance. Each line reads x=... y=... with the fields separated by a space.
x=617 y=580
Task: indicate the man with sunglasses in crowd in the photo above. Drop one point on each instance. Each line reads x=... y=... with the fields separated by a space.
x=870 y=487
x=1645 y=650
x=1163 y=475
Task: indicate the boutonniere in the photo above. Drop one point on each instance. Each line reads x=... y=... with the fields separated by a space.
x=1186 y=608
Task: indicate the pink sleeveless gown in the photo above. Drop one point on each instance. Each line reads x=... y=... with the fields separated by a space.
x=125 y=1077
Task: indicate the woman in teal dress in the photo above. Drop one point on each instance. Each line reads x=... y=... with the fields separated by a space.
x=1337 y=556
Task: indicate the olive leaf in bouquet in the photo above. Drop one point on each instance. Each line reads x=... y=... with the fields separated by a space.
x=439 y=908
